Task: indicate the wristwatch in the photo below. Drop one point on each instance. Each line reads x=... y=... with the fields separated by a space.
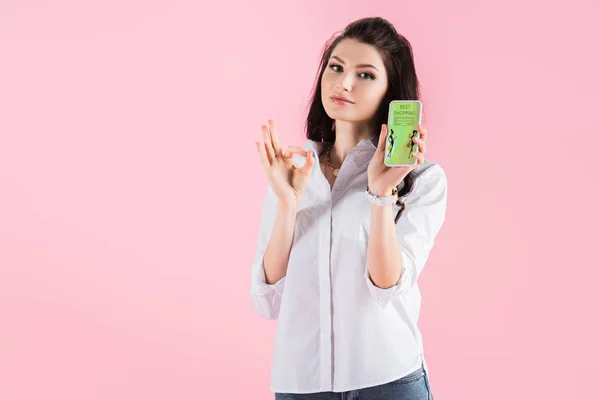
x=382 y=200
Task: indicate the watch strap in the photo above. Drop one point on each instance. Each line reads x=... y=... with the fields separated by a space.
x=382 y=200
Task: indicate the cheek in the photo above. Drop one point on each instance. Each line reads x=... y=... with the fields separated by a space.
x=373 y=95
x=378 y=90
x=329 y=83
x=376 y=95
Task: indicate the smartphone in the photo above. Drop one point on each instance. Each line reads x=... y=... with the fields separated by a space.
x=404 y=117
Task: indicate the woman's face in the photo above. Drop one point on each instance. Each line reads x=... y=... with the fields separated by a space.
x=354 y=71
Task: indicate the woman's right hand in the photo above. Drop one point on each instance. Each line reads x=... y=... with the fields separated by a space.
x=287 y=180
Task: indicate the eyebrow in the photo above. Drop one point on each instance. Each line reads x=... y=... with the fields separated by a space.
x=358 y=66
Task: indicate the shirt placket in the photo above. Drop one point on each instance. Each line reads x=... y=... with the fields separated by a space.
x=326 y=298
x=326 y=344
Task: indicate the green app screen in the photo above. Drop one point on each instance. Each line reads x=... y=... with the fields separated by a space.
x=403 y=121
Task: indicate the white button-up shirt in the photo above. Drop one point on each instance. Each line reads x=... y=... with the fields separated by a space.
x=336 y=330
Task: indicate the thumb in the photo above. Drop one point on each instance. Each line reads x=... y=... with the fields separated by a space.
x=382 y=137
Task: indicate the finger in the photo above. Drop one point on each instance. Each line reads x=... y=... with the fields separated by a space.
x=291 y=150
x=382 y=137
x=422 y=132
x=310 y=162
x=421 y=144
x=420 y=158
x=263 y=156
x=274 y=137
x=268 y=145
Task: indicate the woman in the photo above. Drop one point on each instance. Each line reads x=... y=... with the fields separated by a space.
x=336 y=270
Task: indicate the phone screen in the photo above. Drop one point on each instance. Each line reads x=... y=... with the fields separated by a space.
x=403 y=120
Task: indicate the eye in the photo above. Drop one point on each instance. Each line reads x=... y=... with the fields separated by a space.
x=364 y=75
x=333 y=66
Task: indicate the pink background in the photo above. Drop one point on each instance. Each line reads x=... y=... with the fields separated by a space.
x=130 y=191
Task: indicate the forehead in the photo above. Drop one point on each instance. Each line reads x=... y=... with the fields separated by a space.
x=354 y=52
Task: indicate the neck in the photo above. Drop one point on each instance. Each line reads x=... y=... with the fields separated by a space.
x=347 y=136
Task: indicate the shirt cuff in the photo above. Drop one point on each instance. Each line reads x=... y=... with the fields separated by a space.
x=262 y=287
x=385 y=296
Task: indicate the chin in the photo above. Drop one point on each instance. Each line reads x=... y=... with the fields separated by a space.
x=340 y=115
x=344 y=117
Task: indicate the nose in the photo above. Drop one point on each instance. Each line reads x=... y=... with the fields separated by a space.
x=346 y=82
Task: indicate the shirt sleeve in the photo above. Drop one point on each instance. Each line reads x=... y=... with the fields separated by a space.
x=420 y=222
x=266 y=298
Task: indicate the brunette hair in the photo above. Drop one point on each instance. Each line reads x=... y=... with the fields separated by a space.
x=403 y=84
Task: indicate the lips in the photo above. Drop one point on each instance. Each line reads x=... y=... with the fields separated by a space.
x=341 y=99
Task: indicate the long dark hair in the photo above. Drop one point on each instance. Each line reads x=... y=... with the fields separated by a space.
x=403 y=84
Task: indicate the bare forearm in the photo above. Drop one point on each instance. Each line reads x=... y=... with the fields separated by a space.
x=384 y=258
x=277 y=255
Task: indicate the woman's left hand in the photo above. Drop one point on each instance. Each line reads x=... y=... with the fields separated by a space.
x=382 y=179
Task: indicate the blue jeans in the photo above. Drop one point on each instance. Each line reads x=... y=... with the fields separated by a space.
x=414 y=386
